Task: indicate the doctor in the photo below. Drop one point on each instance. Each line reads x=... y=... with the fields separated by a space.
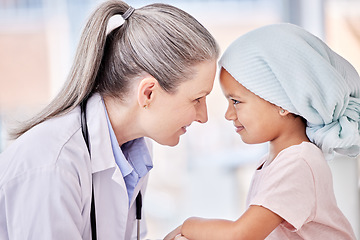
x=147 y=78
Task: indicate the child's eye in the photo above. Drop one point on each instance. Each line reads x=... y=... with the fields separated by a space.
x=235 y=101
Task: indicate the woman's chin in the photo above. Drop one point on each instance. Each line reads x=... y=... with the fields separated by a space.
x=171 y=142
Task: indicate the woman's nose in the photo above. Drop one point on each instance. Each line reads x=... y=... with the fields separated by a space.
x=201 y=112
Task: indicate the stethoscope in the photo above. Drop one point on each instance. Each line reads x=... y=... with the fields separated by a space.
x=138 y=200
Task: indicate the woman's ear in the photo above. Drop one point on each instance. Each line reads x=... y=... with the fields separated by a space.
x=146 y=89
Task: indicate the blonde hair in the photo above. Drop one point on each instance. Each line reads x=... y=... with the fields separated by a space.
x=157 y=39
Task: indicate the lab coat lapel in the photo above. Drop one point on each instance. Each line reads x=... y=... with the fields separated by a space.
x=137 y=189
x=131 y=223
x=111 y=203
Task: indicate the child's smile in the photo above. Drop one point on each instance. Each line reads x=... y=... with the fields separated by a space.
x=238 y=128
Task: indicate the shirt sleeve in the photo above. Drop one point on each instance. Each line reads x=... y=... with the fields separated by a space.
x=45 y=202
x=286 y=187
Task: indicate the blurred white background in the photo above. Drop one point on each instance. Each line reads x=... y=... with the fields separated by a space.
x=209 y=172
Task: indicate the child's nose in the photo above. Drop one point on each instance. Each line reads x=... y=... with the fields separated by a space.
x=230 y=113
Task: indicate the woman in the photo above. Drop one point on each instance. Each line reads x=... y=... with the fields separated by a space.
x=147 y=78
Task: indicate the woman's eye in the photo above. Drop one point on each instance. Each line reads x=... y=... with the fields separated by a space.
x=198 y=99
x=235 y=101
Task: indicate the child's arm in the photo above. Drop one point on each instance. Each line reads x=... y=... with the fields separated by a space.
x=256 y=223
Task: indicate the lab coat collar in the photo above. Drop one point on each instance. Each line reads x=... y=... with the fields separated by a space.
x=102 y=157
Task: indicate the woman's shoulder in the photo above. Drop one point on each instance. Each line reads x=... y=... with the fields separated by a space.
x=44 y=146
x=50 y=135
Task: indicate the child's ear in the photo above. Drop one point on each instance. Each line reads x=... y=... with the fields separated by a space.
x=283 y=112
x=146 y=89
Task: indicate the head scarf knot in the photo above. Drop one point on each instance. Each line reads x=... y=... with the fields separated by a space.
x=293 y=69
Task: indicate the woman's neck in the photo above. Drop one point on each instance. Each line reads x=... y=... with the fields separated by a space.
x=123 y=120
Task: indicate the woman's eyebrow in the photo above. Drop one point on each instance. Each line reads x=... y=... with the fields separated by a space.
x=204 y=92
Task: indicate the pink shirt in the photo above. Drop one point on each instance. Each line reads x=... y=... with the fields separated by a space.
x=297 y=185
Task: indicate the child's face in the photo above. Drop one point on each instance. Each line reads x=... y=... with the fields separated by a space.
x=255 y=119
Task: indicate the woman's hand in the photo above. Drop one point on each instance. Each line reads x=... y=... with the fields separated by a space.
x=175 y=234
x=180 y=237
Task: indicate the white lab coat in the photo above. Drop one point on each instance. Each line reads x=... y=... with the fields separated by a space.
x=45 y=182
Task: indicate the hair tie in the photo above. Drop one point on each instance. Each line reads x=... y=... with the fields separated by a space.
x=128 y=13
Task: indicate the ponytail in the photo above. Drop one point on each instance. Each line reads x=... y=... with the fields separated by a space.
x=81 y=80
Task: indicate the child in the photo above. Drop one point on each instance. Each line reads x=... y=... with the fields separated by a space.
x=287 y=87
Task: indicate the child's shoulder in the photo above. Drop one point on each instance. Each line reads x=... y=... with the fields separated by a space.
x=306 y=154
x=301 y=150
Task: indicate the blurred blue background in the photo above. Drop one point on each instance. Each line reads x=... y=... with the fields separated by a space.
x=209 y=172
